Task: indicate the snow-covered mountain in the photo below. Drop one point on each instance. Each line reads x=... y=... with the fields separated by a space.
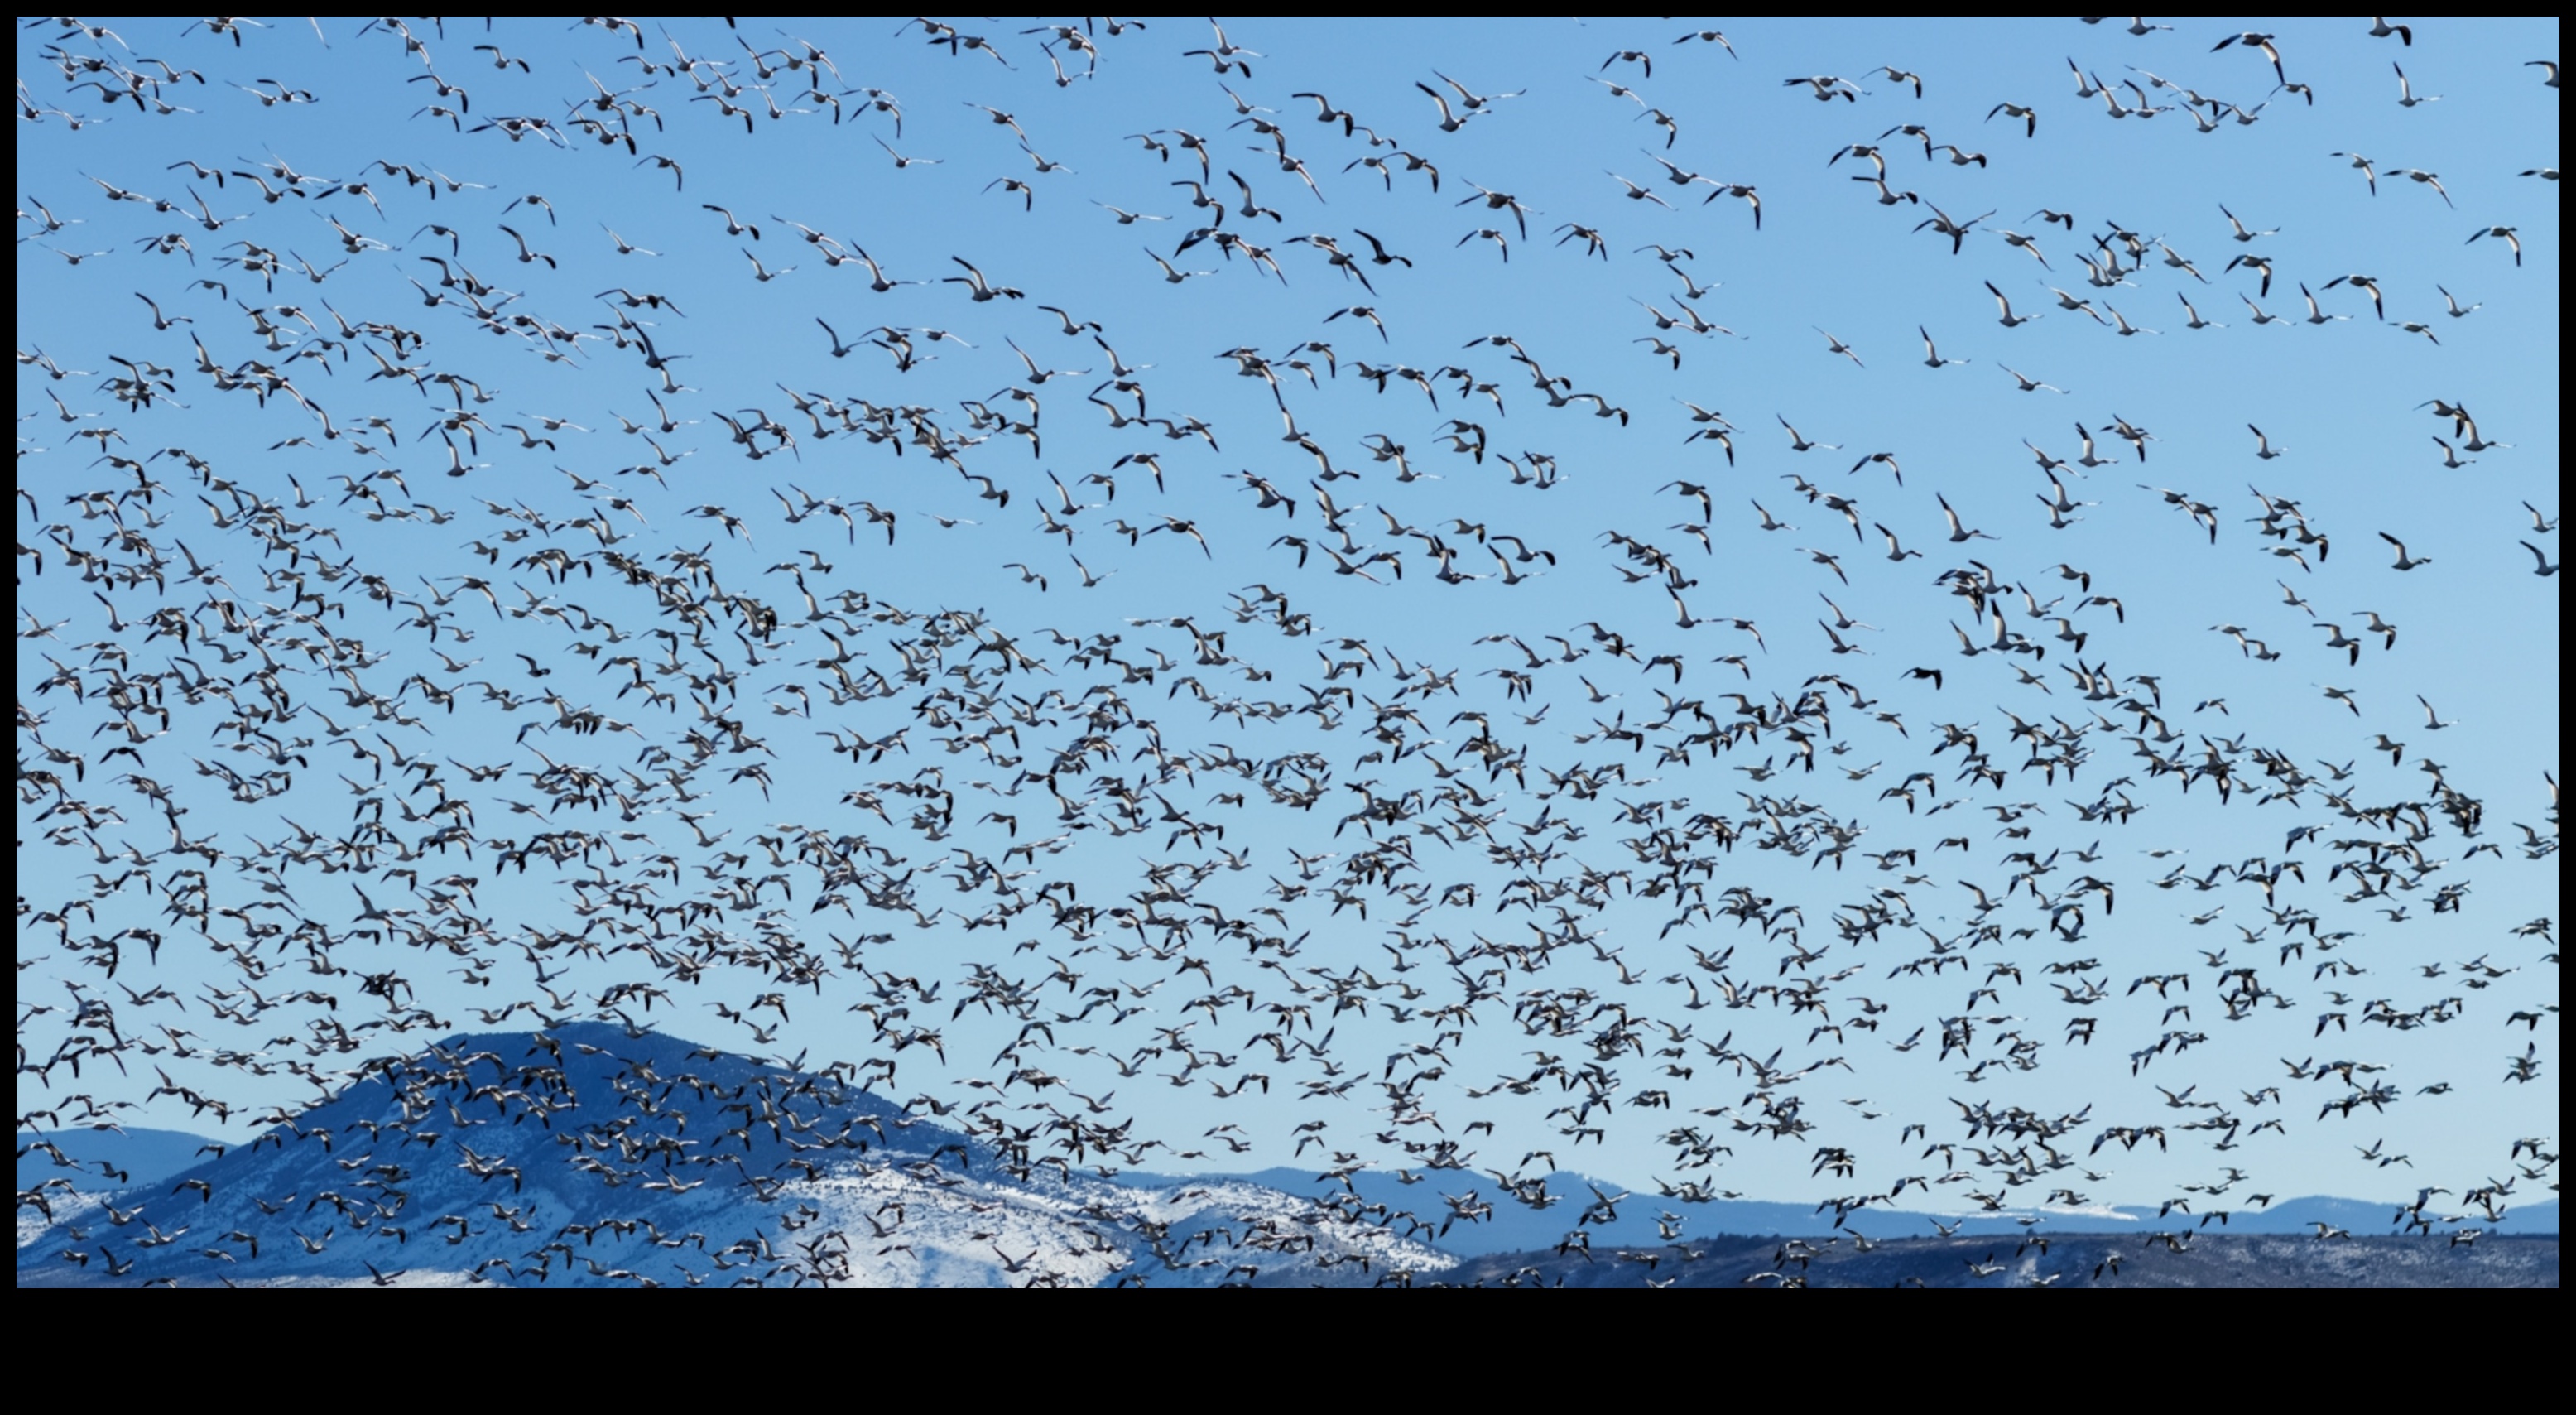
x=591 y=1155
x=594 y=1155
x=1474 y=1216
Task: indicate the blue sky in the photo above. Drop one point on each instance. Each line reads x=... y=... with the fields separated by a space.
x=2476 y=631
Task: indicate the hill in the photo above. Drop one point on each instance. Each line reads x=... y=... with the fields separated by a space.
x=1506 y=1224
x=595 y=1155
x=931 y=1207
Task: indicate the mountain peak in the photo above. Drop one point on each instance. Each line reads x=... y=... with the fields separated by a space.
x=594 y=1154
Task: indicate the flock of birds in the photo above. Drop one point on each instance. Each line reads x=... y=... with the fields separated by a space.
x=1363 y=893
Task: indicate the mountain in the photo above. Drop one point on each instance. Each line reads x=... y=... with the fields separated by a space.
x=941 y=1217
x=591 y=1155
x=96 y=1161
x=1510 y=1225
x=945 y=1225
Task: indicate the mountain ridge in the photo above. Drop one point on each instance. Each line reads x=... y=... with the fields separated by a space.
x=591 y=1154
x=809 y=1156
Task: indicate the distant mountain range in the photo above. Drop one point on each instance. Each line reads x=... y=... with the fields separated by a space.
x=590 y=1155
x=1511 y=1226
x=100 y=1161
x=2233 y=1260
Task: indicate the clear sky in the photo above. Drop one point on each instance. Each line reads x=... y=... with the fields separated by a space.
x=917 y=184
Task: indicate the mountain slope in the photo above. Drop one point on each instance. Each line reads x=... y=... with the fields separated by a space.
x=592 y=1155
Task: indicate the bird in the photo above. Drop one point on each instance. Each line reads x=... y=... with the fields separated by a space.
x=1884 y=459
x=2028 y=116
x=2261 y=42
x=2507 y=234
x=902 y=162
x=2423 y=178
x=1826 y=88
x=1798 y=442
x=2378 y=302
x=1958 y=534
x=2241 y=230
x=1450 y=121
x=2404 y=561
x=1170 y=274
x=2407 y=97
x=1931 y=355
x=977 y=286
x=2027 y=243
